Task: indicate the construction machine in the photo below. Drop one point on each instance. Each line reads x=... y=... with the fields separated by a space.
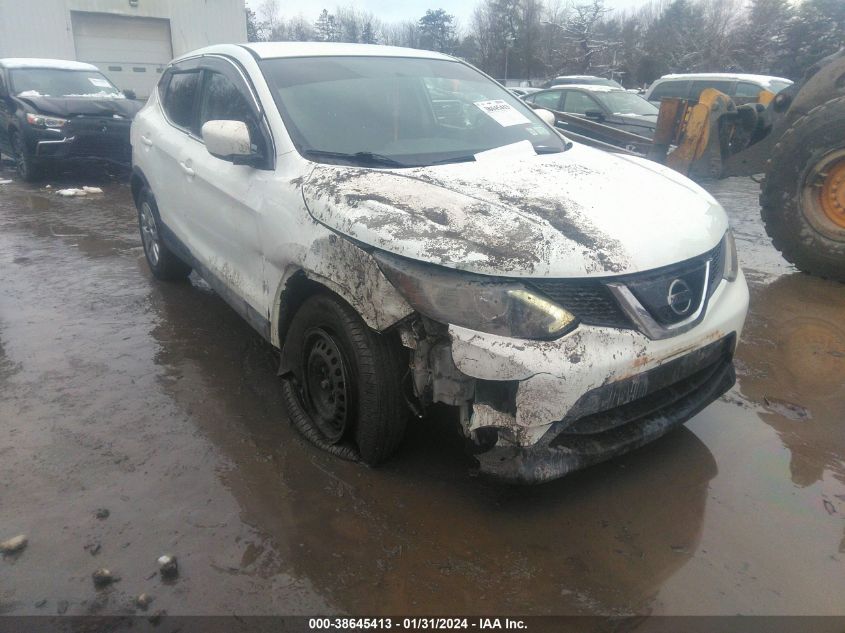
x=795 y=139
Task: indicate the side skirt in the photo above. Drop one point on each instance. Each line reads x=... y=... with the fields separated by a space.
x=259 y=323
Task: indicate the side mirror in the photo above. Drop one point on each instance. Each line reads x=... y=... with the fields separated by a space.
x=594 y=115
x=130 y=94
x=547 y=115
x=229 y=141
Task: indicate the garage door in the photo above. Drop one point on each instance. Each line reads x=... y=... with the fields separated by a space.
x=131 y=51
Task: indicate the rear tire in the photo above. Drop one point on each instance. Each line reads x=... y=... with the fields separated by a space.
x=163 y=263
x=803 y=194
x=343 y=390
x=27 y=168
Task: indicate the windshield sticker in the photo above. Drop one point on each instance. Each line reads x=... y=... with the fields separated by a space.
x=502 y=112
x=100 y=83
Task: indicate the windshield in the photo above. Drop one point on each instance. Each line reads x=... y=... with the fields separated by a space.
x=54 y=82
x=401 y=111
x=626 y=103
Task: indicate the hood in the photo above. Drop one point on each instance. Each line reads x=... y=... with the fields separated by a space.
x=579 y=213
x=72 y=106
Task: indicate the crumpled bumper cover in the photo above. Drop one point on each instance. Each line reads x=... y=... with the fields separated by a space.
x=636 y=411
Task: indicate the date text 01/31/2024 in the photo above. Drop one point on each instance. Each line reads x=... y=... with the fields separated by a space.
x=415 y=624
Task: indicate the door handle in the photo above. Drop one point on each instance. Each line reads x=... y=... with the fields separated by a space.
x=188 y=171
x=146 y=140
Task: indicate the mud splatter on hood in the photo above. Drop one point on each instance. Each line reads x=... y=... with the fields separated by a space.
x=575 y=214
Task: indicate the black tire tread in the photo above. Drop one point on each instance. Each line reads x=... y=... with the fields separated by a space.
x=34 y=170
x=382 y=413
x=781 y=181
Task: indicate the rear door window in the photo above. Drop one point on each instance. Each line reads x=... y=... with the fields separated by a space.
x=698 y=86
x=579 y=103
x=676 y=89
x=180 y=97
x=746 y=89
x=550 y=100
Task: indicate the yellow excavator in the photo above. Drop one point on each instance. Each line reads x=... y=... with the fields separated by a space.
x=795 y=139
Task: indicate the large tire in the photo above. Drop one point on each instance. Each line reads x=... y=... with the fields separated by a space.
x=26 y=166
x=360 y=413
x=799 y=198
x=163 y=263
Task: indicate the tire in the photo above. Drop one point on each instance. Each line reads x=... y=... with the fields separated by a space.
x=163 y=263
x=799 y=199
x=26 y=166
x=361 y=414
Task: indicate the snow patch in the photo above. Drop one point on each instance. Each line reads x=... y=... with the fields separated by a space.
x=32 y=62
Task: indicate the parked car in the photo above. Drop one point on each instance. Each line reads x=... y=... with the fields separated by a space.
x=581 y=80
x=55 y=111
x=522 y=91
x=398 y=259
x=739 y=87
x=615 y=107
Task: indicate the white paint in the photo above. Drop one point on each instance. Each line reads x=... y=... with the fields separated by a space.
x=617 y=215
x=514 y=151
x=639 y=214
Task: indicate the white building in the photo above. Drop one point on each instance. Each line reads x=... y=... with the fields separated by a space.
x=129 y=40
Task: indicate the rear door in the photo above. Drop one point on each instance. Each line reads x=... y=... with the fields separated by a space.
x=170 y=139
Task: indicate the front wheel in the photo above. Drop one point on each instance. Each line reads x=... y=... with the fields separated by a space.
x=342 y=389
x=28 y=170
x=803 y=194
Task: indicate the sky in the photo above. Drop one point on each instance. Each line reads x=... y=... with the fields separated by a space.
x=400 y=10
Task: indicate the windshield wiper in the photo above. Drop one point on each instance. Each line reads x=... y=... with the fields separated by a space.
x=364 y=158
x=455 y=159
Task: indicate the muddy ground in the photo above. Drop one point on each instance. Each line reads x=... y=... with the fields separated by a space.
x=156 y=402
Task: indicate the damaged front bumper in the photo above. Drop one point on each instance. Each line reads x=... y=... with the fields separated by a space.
x=547 y=408
x=646 y=406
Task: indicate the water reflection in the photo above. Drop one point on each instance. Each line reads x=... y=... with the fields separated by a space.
x=792 y=363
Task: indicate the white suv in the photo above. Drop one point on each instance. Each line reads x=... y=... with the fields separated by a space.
x=405 y=231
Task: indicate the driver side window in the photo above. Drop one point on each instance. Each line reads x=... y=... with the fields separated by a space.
x=222 y=100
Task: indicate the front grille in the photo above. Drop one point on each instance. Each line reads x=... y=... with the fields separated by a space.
x=592 y=302
x=589 y=300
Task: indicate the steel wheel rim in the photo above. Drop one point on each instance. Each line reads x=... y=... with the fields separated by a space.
x=149 y=234
x=325 y=384
x=824 y=196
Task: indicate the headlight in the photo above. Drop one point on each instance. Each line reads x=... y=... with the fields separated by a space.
x=731 y=259
x=474 y=301
x=39 y=120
